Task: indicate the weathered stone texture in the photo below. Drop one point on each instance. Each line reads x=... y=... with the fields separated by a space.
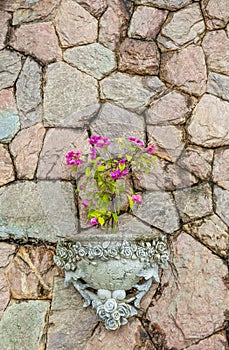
x=146 y=22
x=93 y=59
x=7 y=253
x=6 y=166
x=209 y=125
x=217 y=342
x=10 y=65
x=216 y=13
x=43 y=210
x=25 y=149
x=44 y=43
x=181 y=28
x=185 y=69
x=28 y=94
x=192 y=304
x=166 y=4
x=9 y=120
x=75 y=26
x=221 y=168
x=218 y=85
x=95 y=7
x=139 y=57
x=4 y=296
x=4 y=21
x=222 y=203
x=70 y=96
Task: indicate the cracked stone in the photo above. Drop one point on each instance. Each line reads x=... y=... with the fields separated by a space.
x=9 y=119
x=194 y=298
x=22 y=325
x=181 y=28
x=52 y=163
x=130 y=91
x=146 y=22
x=4 y=295
x=7 y=253
x=10 y=66
x=221 y=168
x=222 y=203
x=44 y=43
x=28 y=94
x=216 y=48
x=95 y=7
x=212 y=232
x=185 y=69
x=216 y=13
x=216 y=342
x=194 y=202
x=93 y=59
x=25 y=148
x=139 y=57
x=218 y=85
x=75 y=25
x=158 y=209
x=168 y=141
x=165 y=4
x=209 y=123
x=198 y=161
x=6 y=166
x=70 y=96
x=172 y=108
x=4 y=21
x=44 y=210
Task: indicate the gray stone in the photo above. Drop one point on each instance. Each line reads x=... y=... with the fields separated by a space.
x=28 y=94
x=70 y=96
x=194 y=202
x=158 y=209
x=43 y=210
x=6 y=166
x=9 y=125
x=165 y=4
x=212 y=232
x=4 y=21
x=209 y=125
x=10 y=65
x=222 y=203
x=172 y=108
x=216 y=13
x=218 y=85
x=130 y=91
x=168 y=141
x=95 y=7
x=70 y=325
x=22 y=325
x=221 y=168
x=181 y=28
x=4 y=294
x=93 y=59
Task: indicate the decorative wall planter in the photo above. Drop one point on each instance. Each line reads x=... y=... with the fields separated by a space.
x=112 y=272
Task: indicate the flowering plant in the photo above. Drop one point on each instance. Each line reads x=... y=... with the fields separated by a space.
x=107 y=182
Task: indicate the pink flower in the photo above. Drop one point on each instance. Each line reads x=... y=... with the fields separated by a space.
x=137 y=198
x=137 y=141
x=93 y=152
x=99 y=141
x=94 y=222
x=74 y=158
x=151 y=149
x=86 y=202
x=118 y=174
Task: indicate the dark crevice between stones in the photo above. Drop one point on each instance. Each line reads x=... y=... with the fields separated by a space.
x=156 y=334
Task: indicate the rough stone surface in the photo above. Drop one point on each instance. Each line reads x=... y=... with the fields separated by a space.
x=70 y=325
x=166 y=4
x=216 y=342
x=216 y=13
x=28 y=94
x=22 y=325
x=181 y=28
x=168 y=141
x=185 y=69
x=6 y=166
x=222 y=203
x=188 y=317
x=7 y=253
x=75 y=26
x=197 y=160
x=25 y=148
x=146 y=22
x=70 y=96
x=158 y=209
x=221 y=168
x=216 y=48
x=212 y=232
x=93 y=59
x=139 y=57
x=10 y=65
x=9 y=120
x=130 y=91
x=43 y=210
x=95 y=7
x=44 y=45
x=194 y=202
x=172 y=108
x=209 y=125
x=52 y=163
x=218 y=85
x=4 y=295
x=4 y=20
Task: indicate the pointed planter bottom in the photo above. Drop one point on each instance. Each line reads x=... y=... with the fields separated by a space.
x=112 y=272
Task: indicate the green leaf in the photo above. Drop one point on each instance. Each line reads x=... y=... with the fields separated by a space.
x=101 y=168
x=131 y=203
x=101 y=221
x=87 y=171
x=128 y=158
x=115 y=217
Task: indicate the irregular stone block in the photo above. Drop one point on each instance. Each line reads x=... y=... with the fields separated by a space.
x=6 y=166
x=25 y=148
x=218 y=85
x=4 y=21
x=165 y=4
x=221 y=168
x=9 y=120
x=70 y=96
x=44 y=43
x=74 y=25
x=209 y=125
x=44 y=211
x=7 y=253
x=185 y=69
x=28 y=94
x=93 y=59
x=95 y=7
x=216 y=13
x=10 y=65
x=4 y=295
x=222 y=203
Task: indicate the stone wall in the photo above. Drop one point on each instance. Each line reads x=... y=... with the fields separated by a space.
x=153 y=69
